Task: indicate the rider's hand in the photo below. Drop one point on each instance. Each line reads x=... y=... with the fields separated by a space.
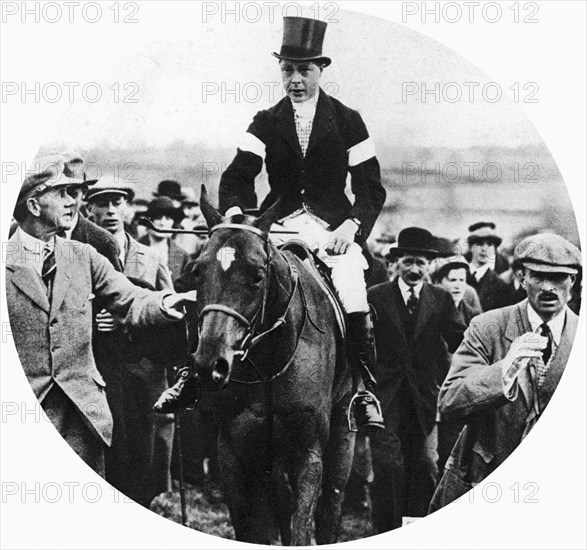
x=342 y=238
x=106 y=322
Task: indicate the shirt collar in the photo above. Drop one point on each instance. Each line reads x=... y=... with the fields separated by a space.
x=32 y=244
x=122 y=240
x=68 y=232
x=480 y=271
x=307 y=109
x=556 y=324
x=405 y=289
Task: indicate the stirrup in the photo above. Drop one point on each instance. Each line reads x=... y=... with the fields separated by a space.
x=351 y=416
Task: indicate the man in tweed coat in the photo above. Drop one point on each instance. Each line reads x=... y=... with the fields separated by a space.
x=50 y=286
x=504 y=373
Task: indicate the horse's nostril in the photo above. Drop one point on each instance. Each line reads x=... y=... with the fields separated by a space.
x=221 y=368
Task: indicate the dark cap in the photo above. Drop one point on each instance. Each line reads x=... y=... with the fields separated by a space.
x=548 y=253
x=445 y=269
x=163 y=206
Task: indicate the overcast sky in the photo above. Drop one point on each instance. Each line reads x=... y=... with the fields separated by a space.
x=179 y=81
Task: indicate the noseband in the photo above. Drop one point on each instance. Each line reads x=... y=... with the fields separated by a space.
x=251 y=337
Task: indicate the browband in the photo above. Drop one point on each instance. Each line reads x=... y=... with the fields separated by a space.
x=250 y=228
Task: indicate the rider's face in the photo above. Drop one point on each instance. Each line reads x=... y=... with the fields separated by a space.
x=300 y=79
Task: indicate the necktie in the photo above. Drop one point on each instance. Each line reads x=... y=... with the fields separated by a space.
x=547 y=351
x=48 y=271
x=412 y=302
x=303 y=129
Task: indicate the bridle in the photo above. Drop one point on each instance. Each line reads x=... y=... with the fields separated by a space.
x=252 y=334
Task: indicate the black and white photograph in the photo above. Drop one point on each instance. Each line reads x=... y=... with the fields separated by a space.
x=293 y=274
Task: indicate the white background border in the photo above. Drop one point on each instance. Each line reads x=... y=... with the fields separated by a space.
x=551 y=53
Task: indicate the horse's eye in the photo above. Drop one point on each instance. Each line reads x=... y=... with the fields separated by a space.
x=257 y=280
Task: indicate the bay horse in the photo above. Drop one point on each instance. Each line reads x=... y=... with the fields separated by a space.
x=272 y=365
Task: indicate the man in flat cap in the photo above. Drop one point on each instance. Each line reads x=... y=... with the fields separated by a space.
x=138 y=461
x=492 y=291
x=51 y=283
x=508 y=366
x=416 y=323
x=310 y=142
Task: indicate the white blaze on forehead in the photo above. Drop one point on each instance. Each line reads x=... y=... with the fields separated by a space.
x=226 y=256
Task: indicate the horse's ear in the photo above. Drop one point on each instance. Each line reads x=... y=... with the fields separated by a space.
x=270 y=216
x=211 y=215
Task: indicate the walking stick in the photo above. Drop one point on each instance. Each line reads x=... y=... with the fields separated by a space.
x=184 y=519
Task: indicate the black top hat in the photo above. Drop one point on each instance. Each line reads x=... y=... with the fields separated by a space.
x=171 y=189
x=413 y=240
x=302 y=40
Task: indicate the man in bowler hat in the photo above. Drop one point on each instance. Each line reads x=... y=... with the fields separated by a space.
x=504 y=373
x=415 y=324
x=310 y=142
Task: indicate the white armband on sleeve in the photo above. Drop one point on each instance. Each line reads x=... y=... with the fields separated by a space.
x=252 y=144
x=361 y=152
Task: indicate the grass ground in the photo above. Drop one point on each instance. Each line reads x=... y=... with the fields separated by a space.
x=206 y=512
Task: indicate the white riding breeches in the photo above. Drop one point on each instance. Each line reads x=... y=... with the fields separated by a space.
x=347 y=269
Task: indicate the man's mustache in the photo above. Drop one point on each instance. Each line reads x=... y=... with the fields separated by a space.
x=547 y=296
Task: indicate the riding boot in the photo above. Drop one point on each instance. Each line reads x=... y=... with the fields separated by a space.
x=365 y=405
x=182 y=395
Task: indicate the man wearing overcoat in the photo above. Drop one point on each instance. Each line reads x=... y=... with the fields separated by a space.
x=511 y=360
x=415 y=324
x=51 y=283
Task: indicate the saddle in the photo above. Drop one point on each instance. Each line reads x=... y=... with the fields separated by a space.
x=321 y=273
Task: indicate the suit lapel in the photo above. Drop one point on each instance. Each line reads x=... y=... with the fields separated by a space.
x=24 y=277
x=28 y=281
x=559 y=361
x=135 y=260
x=393 y=308
x=322 y=124
x=425 y=308
x=520 y=324
x=62 y=277
x=287 y=126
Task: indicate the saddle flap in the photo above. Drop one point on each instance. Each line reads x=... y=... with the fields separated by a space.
x=321 y=273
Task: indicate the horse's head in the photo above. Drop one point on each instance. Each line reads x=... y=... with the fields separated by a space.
x=232 y=283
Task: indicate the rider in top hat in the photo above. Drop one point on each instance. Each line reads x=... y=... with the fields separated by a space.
x=310 y=142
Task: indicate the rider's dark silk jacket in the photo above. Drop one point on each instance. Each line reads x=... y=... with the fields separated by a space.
x=339 y=145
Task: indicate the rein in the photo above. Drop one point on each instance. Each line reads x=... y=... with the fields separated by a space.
x=253 y=337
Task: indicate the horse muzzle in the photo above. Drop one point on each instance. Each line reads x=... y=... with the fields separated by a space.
x=214 y=372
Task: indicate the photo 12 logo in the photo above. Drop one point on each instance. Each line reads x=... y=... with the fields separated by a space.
x=69 y=12
x=469 y=12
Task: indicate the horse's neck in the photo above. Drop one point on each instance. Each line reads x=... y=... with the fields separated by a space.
x=282 y=281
